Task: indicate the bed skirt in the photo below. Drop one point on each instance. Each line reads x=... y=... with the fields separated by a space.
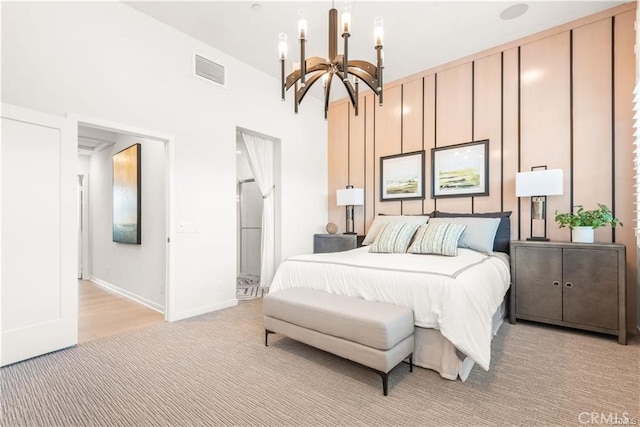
x=434 y=351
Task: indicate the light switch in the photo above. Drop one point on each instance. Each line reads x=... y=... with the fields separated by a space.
x=186 y=227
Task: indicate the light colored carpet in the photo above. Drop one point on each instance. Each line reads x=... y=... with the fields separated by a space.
x=214 y=370
x=248 y=287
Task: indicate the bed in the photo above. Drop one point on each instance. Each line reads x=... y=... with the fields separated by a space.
x=458 y=301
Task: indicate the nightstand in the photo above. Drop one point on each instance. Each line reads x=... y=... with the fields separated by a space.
x=323 y=243
x=578 y=285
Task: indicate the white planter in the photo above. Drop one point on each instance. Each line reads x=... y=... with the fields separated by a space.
x=582 y=235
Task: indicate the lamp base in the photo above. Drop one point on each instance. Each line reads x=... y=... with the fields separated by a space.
x=538 y=239
x=349 y=233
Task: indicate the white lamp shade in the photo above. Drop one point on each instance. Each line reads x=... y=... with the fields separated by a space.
x=548 y=182
x=350 y=197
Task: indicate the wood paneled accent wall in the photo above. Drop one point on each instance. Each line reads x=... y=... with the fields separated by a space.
x=561 y=98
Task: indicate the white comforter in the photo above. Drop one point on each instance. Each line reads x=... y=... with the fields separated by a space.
x=457 y=295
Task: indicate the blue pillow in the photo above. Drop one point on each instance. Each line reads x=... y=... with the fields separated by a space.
x=503 y=234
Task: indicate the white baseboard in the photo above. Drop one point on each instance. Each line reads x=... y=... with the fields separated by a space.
x=185 y=314
x=137 y=298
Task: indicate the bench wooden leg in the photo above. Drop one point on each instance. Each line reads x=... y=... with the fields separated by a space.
x=385 y=381
x=385 y=375
x=410 y=357
x=266 y=337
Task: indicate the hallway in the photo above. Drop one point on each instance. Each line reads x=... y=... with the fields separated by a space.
x=102 y=313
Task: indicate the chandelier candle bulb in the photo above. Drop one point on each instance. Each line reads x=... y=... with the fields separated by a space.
x=346 y=18
x=302 y=29
x=377 y=31
x=282 y=45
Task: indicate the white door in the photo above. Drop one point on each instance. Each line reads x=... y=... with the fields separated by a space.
x=38 y=232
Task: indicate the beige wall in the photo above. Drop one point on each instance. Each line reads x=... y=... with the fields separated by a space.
x=562 y=98
x=637 y=157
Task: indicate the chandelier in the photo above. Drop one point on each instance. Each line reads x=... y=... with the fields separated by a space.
x=310 y=70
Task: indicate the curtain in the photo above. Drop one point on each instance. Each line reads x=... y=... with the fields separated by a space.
x=260 y=153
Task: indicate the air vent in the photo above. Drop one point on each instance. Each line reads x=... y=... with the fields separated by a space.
x=210 y=70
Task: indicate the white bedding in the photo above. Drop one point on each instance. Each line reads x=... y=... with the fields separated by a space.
x=457 y=295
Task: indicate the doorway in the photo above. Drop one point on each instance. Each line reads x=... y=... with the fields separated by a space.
x=249 y=208
x=81 y=224
x=252 y=192
x=122 y=281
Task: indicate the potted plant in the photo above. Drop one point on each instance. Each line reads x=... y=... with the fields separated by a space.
x=583 y=222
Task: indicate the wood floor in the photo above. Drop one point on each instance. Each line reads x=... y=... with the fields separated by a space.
x=102 y=313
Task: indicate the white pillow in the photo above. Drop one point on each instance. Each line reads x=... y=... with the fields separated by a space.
x=381 y=220
x=478 y=235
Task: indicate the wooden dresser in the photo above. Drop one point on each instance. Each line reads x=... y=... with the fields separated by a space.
x=578 y=285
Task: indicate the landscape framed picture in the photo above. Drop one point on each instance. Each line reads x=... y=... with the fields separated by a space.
x=402 y=176
x=126 y=196
x=460 y=170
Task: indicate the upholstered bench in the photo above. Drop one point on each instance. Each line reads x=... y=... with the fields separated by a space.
x=374 y=334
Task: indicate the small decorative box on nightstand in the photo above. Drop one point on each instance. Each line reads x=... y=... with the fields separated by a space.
x=579 y=285
x=335 y=242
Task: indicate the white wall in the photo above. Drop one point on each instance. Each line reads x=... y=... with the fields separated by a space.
x=137 y=271
x=109 y=61
x=84 y=163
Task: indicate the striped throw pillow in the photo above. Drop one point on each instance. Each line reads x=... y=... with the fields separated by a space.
x=440 y=239
x=394 y=238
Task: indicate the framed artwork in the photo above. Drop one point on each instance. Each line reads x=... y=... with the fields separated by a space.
x=126 y=196
x=402 y=176
x=460 y=170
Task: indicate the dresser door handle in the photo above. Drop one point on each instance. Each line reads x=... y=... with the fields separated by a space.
x=569 y=285
x=556 y=283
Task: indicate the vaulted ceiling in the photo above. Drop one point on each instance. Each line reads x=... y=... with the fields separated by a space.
x=418 y=35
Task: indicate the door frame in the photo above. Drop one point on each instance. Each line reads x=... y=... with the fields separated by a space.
x=169 y=141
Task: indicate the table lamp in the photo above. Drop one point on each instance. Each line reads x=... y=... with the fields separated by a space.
x=538 y=184
x=350 y=197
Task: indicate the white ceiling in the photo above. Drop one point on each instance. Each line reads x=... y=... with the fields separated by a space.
x=418 y=35
x=92 y=140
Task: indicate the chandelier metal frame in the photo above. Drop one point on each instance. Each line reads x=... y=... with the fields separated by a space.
x=314 y=68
